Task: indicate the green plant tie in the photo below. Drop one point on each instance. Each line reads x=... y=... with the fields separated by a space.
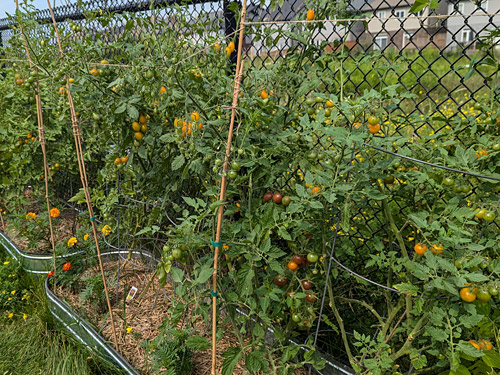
x=213 y=294
x=92 y=218
x=216 y=244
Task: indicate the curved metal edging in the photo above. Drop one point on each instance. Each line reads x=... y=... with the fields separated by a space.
x=31 y=262
x=82 y=330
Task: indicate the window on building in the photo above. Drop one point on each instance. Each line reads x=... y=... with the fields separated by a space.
x=466 y=36
x=381 y=14
x=399 y=13
x=380 y=42
x=483 y=5
x=406 y=39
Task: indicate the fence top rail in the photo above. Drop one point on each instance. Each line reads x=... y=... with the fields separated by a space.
x=76 y=12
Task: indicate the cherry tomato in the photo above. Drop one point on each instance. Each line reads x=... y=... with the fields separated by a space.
x=296 y=318
x=489 y=216
x=448 y=181
x=373 y=120
x=292 y=266
x=306 y=284
x=468 y=294
x=268 y=196
x=280 y=280
x=277 y=198
x=496 y=147
x=235 y=166
x=389 y=180
x=420 y=248
x=483 y=296
x=286 y=200
x=299 y=259
x=311 y=297
x=177 y=253
x=480 y=213
x=312 y=258
x=493 y=290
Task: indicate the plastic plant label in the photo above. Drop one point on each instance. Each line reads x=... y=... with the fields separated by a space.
x=131 y=294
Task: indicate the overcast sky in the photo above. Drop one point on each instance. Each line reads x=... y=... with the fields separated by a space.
x=9 y=6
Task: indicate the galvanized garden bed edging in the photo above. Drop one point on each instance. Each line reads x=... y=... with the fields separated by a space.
x=31 y=262
x=81 y=329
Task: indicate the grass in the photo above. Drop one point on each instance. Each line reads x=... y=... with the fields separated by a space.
x=32 y=344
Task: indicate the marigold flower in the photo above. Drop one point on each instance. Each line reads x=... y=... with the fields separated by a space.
x=66 y=266
x=6 y=262
x=50 y=274
x=86 y=237
x=106 y=230
x=30 y=216
x=24 y=316
x=72 y=241
x=129 y=329
x=13 y=292
x=55 y=212
x=10 y=315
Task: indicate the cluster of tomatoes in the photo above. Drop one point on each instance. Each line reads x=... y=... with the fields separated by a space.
x=277 y=198
x=187 y=128
x=481 y=344
x=482 y=294
x=303 y=315
x=122 y=160
x=140 y=128
x=175 y=254
x=421 y=248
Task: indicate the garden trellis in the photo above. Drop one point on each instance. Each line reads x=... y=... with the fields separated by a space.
x=376 y=120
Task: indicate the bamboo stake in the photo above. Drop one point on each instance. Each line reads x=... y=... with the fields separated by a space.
x=83 y=177
x=41 y=138
x=237 y=81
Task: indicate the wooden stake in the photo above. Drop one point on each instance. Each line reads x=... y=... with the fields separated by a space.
x=41 y=138
x=237 y=81
x=83 y=177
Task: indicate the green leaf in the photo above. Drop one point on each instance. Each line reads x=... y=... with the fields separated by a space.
x=419 y=219
x=491 y=358
x=132 y=112
x=198 y=343
x=460 y=370
x=467 y=348
x=177 y=274
x=231 y=357
x=191 y=202
x=255 y=361
x=418 y=5
x=204 y=275
x=178 y=162
x=143 y=230
x=476 y=277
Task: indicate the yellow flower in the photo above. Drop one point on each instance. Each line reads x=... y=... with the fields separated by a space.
x=6 y=262
x=24 y=316
x=13 y=292
x=10 y=315
x=106 y=230
x=72 y=241
x=55 y=212
x=129 y=329
x=30 y=216
x=86 y=237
